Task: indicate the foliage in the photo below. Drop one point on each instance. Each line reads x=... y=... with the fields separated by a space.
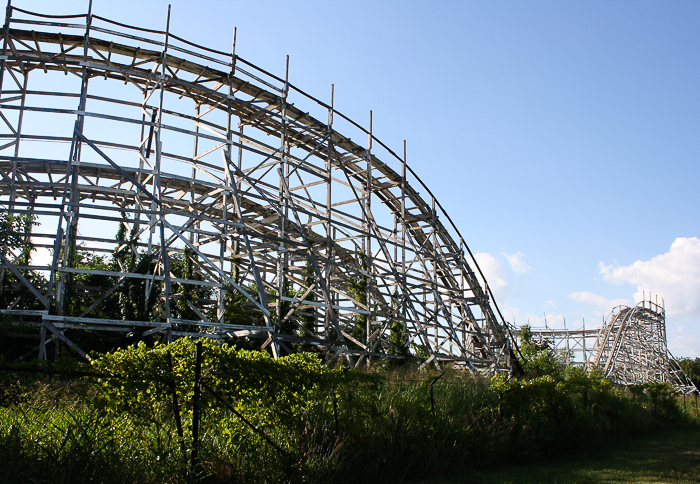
x=16 y=245
x=691 y=367
x=57 y=435
x=85 y=287
x=187 y=296
x=288 y=326
x=397 y=334
x=296 y=420
x=540 y=358
x=308 y=318
x=138 y=298
x=139 y=380
x=15 y=233
x=237 y=312
x=358 y=289
x=397 y=339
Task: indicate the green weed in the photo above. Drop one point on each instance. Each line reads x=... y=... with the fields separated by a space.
x=296 y=420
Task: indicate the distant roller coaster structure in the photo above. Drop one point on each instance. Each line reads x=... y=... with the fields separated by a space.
x=181 y=192
x=629 y=348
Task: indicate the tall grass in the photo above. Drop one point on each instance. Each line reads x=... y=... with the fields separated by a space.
x=383 y=425
x=57 y=434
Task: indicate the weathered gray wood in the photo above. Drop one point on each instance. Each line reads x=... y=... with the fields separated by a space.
x=279 y=216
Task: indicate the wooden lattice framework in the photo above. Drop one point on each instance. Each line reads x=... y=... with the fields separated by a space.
x=208 y=161
x=629 y=348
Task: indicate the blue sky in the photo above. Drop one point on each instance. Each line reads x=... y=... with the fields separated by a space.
x=563 y=138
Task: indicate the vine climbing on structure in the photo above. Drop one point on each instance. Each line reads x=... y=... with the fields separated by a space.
x=184 y=191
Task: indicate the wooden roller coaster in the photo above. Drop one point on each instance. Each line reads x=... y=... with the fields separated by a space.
x=168 y=189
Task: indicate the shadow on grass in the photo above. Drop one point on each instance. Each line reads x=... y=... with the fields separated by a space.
x=671 y=457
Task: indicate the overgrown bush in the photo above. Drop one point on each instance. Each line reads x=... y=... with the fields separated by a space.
x=296 y=420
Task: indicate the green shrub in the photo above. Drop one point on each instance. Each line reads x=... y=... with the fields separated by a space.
x=296 y=420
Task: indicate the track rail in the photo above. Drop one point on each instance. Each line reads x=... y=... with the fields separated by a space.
x=203 y=188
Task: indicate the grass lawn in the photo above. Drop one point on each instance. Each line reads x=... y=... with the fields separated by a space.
x=671 y=457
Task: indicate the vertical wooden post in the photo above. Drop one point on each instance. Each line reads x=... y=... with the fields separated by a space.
x=64 y=248
x=366 y=228
x=282 y=255
x=229 y=180
x=195 y=151
x=165 y=257
x=6 y=36
x=176 y=408
x=403 y=236
x=433 y=216
x=462 y=289
x=328 y=321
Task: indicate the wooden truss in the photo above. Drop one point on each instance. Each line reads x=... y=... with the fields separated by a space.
x=630 y=348
x=202 y=158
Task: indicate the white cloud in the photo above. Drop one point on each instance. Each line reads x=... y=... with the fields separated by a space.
x=600 y=303
x=674 y=276
x=683 y=343
x=547 y=319
x=495 y=275
x=517 y=264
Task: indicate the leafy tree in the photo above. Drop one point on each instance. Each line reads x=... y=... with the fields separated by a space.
x=540 y=358
x=239 y=310
x=691 y=367
x=396 y=338
x=138 y=298
x=358 y=289
x=15 y=233
x=86 y=288
x=15 y=237
x=308 y=317
x=183 y=266
x=82 y=290
x=397 y=334
x=288 y=326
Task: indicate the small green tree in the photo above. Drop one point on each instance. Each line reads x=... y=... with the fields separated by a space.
x=691 y=367
x=308 y=316
x=287 y=326
x=183 y=266
x=15 y=234
x=540 y=358
x=358 y=289
x=240 y=311
x=16 y=245
x=86 y=288
x=397 y=334
x=138 y=298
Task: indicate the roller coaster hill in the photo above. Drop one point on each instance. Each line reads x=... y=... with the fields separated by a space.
x=153 y=188
x=177 y=190
x=630 y=348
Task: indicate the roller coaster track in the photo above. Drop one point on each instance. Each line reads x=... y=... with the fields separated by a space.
x=630 y=348
x=132 y=141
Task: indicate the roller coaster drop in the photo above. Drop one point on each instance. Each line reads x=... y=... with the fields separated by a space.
x=629 y=348
x=221 y=208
